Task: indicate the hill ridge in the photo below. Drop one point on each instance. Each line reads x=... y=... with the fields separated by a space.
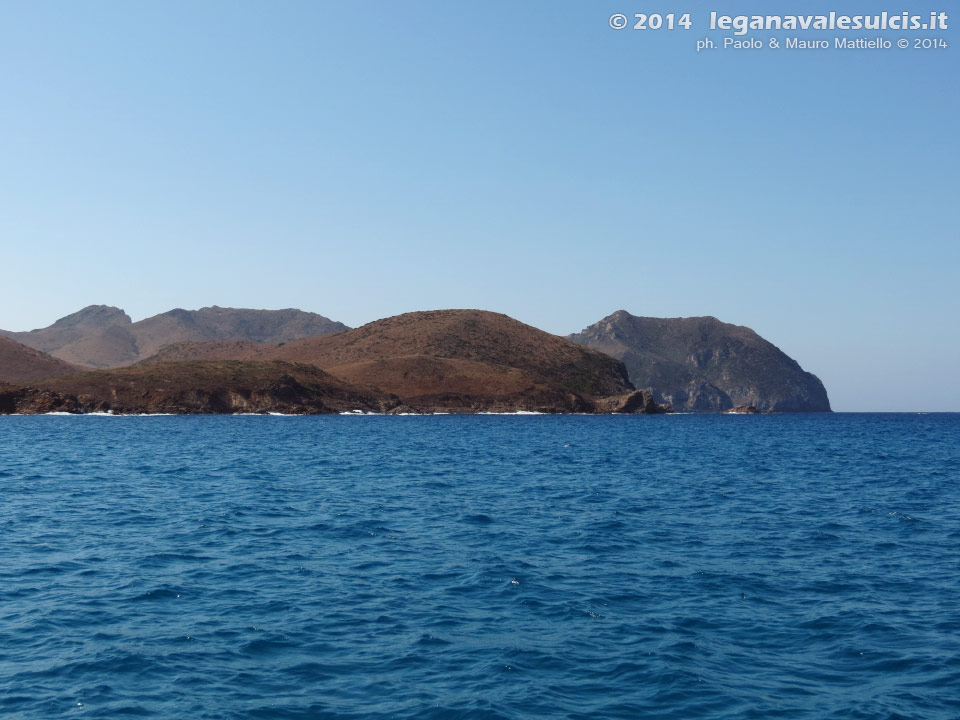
x=103 y=336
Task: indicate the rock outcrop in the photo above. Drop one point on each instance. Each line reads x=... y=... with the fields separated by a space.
x=637 y=402
x=703 y=365
x=743 y=410
x=16 y=400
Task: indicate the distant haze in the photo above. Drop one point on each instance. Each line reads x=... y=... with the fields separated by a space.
x=100 y=336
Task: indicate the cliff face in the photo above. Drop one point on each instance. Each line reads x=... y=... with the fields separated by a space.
x=20 y=364
x=100 y=336
x=454 y=361
x=197 y=387
x=704 y=365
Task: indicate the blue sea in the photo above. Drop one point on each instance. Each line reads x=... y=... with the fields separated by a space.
x=781 y=566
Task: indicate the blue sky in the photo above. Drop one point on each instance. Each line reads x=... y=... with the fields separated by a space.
x=363 y=159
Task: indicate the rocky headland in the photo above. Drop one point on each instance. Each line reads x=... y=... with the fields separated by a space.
x=701 y=364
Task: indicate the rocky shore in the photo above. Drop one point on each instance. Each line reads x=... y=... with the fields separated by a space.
x=231 y=387
x=197 y=388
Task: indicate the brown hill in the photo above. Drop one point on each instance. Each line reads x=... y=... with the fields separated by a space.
x=197 y=387
x=104 y=337
x=20 y=364
x=465 y=360
x=700 y=364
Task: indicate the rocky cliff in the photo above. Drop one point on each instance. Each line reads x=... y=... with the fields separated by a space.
x=700 y=364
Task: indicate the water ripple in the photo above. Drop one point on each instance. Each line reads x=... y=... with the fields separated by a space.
x=480 y=567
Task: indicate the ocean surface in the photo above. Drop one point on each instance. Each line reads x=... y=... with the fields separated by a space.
x=782 y=566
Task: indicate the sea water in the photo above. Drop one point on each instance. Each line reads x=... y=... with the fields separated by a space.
x=782 y=566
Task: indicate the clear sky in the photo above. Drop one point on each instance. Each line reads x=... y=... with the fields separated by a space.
x=362 y=159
